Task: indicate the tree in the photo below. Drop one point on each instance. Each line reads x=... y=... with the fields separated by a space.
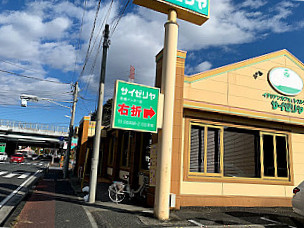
x=106 y=113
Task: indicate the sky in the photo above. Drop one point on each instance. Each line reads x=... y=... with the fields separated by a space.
x=46 y=46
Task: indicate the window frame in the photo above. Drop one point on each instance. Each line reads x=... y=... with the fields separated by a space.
x=205 y=173
x=275 y=177
x=197 y=177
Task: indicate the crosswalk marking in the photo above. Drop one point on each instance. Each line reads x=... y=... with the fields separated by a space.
x=2 y=172
x=20 y=175
x=25 y=175
x=10 y=175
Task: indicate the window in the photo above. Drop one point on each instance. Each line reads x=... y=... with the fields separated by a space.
x=241 y=153
x=236 y=152
x=275 y=155
x=205 y=150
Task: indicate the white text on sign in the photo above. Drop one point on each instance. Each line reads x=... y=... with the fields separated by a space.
x=201 y=3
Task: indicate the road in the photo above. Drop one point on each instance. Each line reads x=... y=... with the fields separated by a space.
x=15 y=180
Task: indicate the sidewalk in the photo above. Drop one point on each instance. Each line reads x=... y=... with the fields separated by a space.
x=55 y=204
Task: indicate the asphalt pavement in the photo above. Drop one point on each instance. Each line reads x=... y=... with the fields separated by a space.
x=15 y=182
x=58 y=202
x=13 y=175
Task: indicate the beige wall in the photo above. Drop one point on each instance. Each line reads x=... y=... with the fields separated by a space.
x=234 y=90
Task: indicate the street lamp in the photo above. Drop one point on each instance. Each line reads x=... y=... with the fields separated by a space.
x=24 y=98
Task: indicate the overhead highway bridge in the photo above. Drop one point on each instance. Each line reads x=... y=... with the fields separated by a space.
x=16 y=133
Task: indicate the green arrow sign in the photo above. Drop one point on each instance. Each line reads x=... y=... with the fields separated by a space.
x=135 y=107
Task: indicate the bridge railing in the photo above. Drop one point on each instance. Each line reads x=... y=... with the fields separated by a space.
x=36 y=127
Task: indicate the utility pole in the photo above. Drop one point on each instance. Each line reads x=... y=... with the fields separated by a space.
x=71 y=131
x=96 y=145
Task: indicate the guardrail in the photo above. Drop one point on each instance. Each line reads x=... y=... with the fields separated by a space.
x=33 y=127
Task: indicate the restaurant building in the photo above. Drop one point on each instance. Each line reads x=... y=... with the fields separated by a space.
x=238 y=135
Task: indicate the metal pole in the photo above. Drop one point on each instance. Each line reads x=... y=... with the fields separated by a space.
x=163 y=177
x=96 y=145
x=67 y=157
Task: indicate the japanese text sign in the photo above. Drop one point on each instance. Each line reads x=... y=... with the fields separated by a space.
x=194 y=11
x=135 y=107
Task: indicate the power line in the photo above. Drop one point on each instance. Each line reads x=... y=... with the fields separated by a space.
x=91 y=37
x=99 y=32
x=30 y=77
x=21 y=67
x=99 y=46
x=119 y=18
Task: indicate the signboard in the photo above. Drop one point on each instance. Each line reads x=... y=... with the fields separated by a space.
x=285 y=81
x=74 y=142
x=194 y=11
x=285 y=104
x=135 y=107
x=2 y=147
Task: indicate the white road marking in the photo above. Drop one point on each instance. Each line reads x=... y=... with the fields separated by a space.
x=278 y=223
x=195 y=223
x=3 y=202
x=10 y=175
x=25 y=175
x=3 y=172
x=269 y=220
x=91 y=218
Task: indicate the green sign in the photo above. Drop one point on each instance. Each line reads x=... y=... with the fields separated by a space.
x=285 y=104
x=135 y=107
x=198 y=6
x=194 y=11
x=74 y=142
x=2 y=147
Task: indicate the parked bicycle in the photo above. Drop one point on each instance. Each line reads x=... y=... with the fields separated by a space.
x=119 y=189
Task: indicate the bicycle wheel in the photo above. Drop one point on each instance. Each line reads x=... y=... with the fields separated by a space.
x=115 y=194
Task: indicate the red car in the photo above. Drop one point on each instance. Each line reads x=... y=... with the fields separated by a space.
x=17 y=158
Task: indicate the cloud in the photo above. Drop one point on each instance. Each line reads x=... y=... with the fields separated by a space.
x=255 y=4
x=14 y=45
x=44 y=35
x=58 y=55
x=203 y=66
x=229 y=24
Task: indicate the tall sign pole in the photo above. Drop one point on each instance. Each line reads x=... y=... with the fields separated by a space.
x=96 y=145
x=163 y=174
x=71 y=131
